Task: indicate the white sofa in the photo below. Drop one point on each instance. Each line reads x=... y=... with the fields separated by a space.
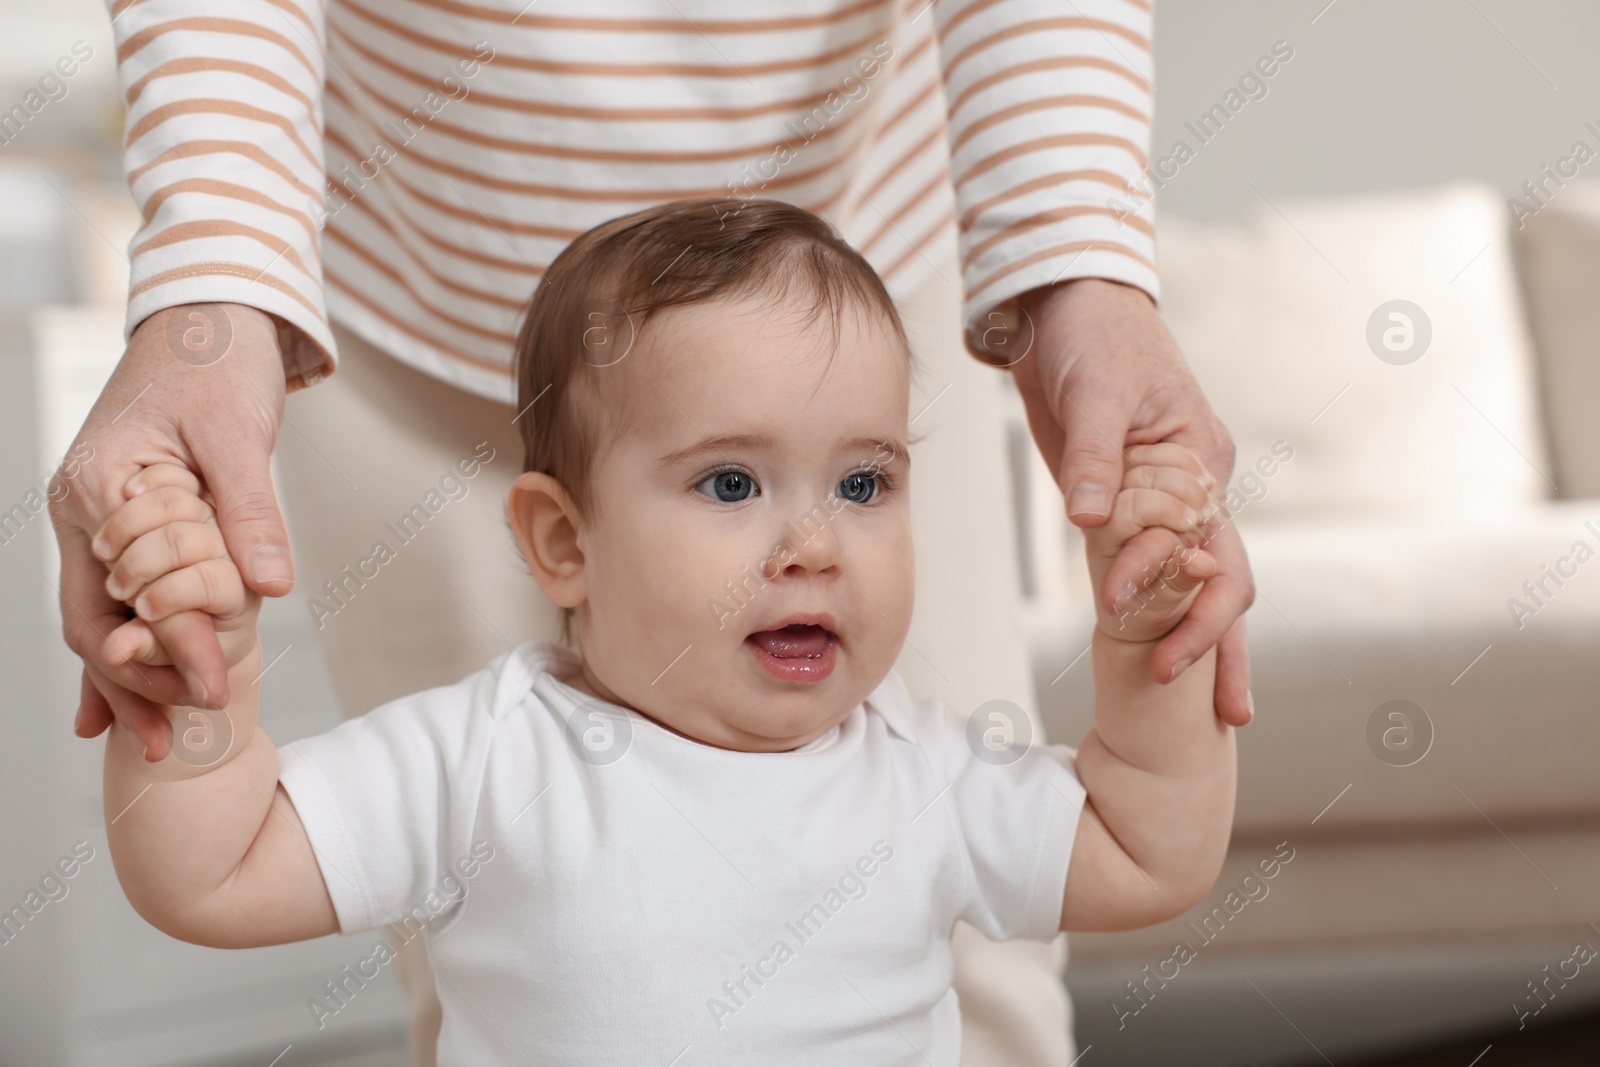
x=1443 y=860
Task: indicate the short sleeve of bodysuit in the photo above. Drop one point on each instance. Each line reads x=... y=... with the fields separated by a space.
x=1016 y=815
x=383 y=797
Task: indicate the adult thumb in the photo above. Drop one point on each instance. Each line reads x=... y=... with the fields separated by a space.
x=240 y=481
x=1091 y=461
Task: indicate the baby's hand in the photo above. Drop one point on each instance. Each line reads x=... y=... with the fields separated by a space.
x=1146 y=562
x=168 y=557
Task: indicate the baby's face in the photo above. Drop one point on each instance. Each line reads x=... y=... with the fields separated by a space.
x=749 y=483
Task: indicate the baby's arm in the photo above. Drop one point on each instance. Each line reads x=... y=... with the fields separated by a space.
x=206 y=843
x=1158 y=765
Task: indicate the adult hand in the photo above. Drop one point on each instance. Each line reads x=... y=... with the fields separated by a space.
x=202 y=386
x=1101 y=373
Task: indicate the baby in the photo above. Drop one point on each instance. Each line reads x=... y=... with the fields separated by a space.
x=720 y=830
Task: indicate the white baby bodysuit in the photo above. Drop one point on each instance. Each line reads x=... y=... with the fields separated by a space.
x=605 y=891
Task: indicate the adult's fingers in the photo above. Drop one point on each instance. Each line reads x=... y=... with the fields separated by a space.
x=228 y=407
x=146 y=720
x=1223 y=600
x=1078 y=433
x=237 y=468
x=148 y=642
x=1103 y=367
x=1047 y=433
x=89 y=614
x=1096 y=423
x=164 y=403
x=196 y=631
x=1234 y=705
x=1212 y=614
x=94 y=714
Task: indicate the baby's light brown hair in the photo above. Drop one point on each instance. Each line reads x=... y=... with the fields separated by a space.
x=595 y=299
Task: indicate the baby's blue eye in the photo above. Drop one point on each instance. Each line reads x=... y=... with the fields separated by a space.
x=730 y=486
x=859 y=488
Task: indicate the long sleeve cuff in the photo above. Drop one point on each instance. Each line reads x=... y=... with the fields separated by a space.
x=223 y=155
x=1050 y=138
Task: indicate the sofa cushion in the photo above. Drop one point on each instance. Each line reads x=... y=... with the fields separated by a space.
x=1485 y=630
x=1283 y=316
x=1557 y=253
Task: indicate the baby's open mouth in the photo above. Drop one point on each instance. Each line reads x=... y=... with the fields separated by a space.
x=796 y=652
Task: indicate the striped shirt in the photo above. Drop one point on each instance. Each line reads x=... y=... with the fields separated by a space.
x=410 y=167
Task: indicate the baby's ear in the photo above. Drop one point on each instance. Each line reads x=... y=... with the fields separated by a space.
x=546 y=525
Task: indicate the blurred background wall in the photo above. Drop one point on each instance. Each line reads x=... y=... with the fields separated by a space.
x=1378 y=95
